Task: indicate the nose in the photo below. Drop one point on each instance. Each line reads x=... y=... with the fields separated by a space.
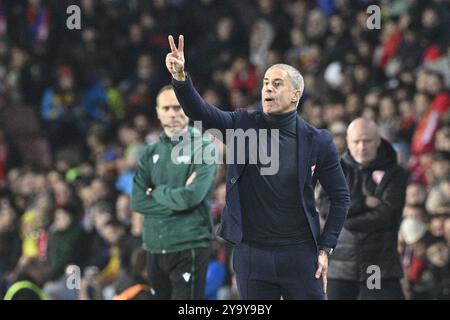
x=172 y=113
x=361 y=146
x=268 y=88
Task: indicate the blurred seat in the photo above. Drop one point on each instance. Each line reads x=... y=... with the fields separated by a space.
x=22 y=125
x=35 y=150
x=20 y=121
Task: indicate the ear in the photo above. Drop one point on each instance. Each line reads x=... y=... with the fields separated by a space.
x=296 y=96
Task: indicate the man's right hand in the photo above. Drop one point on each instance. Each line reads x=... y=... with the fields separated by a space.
x=175 y=59
x=372 y=202
x=191 y=178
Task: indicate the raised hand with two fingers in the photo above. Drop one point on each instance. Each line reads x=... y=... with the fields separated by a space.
x=175 y=59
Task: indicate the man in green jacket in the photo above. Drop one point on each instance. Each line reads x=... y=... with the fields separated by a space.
x=172 y=189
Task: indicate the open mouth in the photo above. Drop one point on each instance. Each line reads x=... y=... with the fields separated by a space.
x=269 y=99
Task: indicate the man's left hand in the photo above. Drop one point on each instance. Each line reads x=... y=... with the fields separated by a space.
x=322 y=268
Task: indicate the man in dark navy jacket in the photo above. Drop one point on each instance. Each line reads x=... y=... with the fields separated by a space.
x=271 y=218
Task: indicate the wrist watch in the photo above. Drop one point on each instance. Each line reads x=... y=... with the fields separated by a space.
x=328 y=251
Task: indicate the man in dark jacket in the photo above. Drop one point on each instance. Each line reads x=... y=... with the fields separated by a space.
x=366 y=264
x=271 y=216
x=67 y=242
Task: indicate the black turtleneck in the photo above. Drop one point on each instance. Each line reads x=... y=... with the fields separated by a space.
x=272 y=212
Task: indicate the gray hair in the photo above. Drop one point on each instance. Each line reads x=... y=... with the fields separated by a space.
x=294 y=75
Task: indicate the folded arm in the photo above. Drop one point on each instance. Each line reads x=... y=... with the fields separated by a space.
x=388 y=213
x=140 y=202
x=190 y=195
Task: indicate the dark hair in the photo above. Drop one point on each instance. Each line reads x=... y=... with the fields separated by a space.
x=72 y=209
x=115 y=224
x=441 y=156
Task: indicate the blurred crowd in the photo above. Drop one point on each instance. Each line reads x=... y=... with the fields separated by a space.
x=77 y=107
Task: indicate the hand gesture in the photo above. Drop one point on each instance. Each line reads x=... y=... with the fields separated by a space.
x=175 y=59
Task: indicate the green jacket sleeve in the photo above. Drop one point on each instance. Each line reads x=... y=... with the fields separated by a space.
x=140 y=202
x=187 y=197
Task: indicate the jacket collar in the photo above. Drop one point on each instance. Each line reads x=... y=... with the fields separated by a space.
x=304 y=145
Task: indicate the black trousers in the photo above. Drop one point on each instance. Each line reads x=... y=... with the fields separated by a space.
x=390 y=289
x=272 y=273
x=178 y=275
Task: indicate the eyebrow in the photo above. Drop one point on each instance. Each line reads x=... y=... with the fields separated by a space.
x=362 y=139
x=276 y=79
x=172 y=106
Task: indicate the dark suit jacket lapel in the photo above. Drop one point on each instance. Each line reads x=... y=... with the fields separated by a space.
x=304 y=144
